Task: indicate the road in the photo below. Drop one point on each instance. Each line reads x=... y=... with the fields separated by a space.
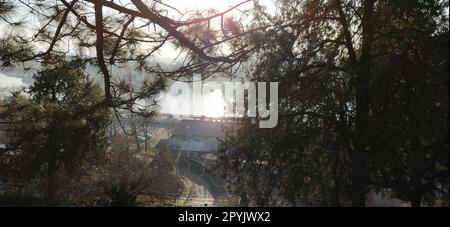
x=199 y=189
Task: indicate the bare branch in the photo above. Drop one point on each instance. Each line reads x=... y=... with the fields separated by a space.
x=99 y=47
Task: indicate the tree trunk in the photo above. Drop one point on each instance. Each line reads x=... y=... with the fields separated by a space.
x=51 y=177
x=243 y=202
x=336 y=198
x=99 y=44
x=416 y=201
x=51 y=165
x=358 y=180
x=360 y=155
x=123 y=199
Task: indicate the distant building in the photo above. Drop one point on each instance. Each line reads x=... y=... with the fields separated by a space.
x=198 y=136
x=202 y=128
x=195 y=142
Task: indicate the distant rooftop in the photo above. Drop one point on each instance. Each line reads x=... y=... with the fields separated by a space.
x=202 y=128
x=193 y=145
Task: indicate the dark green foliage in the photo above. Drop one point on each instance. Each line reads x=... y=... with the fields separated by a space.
x=53 y=126
x=357 y=113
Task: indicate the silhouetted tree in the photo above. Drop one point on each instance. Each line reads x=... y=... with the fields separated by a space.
x=334 y=61
x=52 y=126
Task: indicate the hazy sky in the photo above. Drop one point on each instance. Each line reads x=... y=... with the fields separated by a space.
x=167 y=51
x=219 y=5
x=9 y=82
x=212 y=101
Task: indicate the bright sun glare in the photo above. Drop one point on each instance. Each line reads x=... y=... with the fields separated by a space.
x=202 y=4
x=213 y=104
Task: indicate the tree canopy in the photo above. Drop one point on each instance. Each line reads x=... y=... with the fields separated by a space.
x=363 y=105
x=363 y=89
x=52 y=127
